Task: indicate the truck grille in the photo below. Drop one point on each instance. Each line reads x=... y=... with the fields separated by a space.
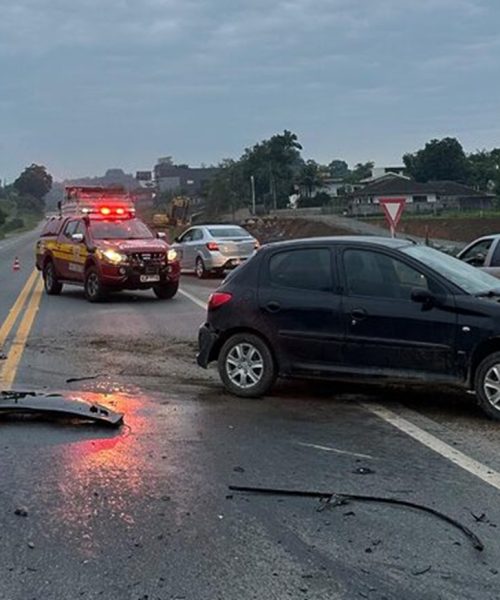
x=148 y=258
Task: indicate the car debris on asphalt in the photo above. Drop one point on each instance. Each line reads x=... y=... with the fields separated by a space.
x=341 y=499
x=58 y=405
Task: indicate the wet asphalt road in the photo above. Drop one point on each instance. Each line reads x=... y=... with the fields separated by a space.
x=145 y=512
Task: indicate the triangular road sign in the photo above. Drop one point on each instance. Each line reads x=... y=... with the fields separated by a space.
x=393 y=209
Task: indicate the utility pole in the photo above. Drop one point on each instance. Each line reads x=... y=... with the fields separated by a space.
x=252 y=181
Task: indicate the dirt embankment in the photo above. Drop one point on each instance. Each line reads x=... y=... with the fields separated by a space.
x=273 y=230
x=457 y=229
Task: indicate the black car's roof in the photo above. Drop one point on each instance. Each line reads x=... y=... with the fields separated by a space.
x=387 y=242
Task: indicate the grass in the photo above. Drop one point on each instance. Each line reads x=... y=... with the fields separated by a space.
x=29 y=219
x=470 y=214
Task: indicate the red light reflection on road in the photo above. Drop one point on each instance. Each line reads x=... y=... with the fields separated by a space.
x=103 y=476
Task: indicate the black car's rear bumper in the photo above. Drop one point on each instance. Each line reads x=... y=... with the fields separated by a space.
x=207 y=340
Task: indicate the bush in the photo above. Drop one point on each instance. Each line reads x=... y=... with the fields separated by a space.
x=320 y=199
x=16 y=223
x=3 y=216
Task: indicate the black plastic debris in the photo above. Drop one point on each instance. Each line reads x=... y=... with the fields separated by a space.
x=338 y=499
x=57 y=405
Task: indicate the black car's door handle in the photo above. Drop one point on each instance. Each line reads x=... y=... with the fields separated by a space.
x=358 y=314
x=273 y=307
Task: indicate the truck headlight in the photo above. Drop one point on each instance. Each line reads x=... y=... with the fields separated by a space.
x=114 y=257
x=172 y=255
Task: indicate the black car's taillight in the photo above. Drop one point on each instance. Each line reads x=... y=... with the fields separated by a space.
x=218 y=299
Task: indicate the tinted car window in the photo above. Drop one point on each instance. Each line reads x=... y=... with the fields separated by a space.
x=476 y=255
x=378 y=275
x=495 y=259
x=308 y=269
x=197 y=235
x=52 y=227
x=70 y=228
x=129 y=229
x=227 y=232
x=187 y=237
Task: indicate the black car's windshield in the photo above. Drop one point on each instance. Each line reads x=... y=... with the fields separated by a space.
x=469 y=279
x=130 y=229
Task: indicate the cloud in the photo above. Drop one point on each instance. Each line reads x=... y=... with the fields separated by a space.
x=207 y=77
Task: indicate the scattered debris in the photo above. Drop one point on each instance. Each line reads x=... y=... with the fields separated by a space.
x=421 y=571
x=239 y=470
x=363 y=471
x=31 y=545
x=333 y=498
x=3 y=356
x=57 y=405
x=21 y=511
x=87 y=378
x=479 y=519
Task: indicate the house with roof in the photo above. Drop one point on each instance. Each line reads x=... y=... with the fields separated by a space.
x=183 y=179
x=432 y=196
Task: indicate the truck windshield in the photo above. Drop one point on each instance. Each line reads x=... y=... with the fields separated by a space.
x=130 y=229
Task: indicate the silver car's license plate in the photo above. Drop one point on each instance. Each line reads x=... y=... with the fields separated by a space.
x=149 y=278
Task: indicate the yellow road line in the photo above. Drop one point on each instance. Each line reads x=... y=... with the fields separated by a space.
x=18 y=345
x=16 y=309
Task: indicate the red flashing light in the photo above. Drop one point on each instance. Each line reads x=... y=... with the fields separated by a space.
x=213 y=246
x=218 y=299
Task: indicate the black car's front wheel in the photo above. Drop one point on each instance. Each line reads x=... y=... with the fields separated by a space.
x=487 y=385
x=246 y=366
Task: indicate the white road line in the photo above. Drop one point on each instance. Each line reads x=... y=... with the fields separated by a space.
x=198 y=302
x=336 y=450
x=458 y=458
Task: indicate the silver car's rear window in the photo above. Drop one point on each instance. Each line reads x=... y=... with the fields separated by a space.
x=227 y=232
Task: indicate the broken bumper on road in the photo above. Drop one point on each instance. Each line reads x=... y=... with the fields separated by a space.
x=57 y=405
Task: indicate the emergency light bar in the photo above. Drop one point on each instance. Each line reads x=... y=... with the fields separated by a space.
x=105 y=202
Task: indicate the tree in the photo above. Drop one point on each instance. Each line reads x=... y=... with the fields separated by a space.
x=338 y=169
x=34 y=181
x=309 y=177
x=439 y=160
x=361 y=171
x=484 y=170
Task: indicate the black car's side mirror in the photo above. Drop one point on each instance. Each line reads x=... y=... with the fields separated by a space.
x=177 y=239
x=424 y=297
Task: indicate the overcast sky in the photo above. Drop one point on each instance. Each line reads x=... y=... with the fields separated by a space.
x=90 y=84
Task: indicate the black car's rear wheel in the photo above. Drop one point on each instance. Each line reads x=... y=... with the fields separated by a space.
x=50 y=281
x=487 y=385
x=94 y=289
x=246 y=366
x=166 y=291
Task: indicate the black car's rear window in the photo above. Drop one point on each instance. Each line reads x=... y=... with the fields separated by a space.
x=305 y=269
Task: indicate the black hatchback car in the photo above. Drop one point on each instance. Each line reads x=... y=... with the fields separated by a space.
x=353 y=308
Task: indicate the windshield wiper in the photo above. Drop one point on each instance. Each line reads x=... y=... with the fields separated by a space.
x=488 y=294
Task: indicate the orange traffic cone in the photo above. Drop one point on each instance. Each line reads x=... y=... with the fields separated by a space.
x=17 y=265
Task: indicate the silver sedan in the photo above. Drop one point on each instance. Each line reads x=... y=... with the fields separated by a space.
x=214 y=248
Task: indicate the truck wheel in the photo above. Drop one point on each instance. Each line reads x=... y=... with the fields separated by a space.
x=487 y=385
x=166 y=291
x=94 y=290
x=200 y=270
x=246 y=366
x=51 y=284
